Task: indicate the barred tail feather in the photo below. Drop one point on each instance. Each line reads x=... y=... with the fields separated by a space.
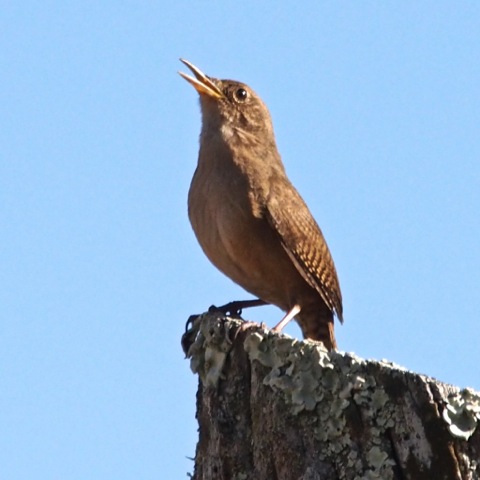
x=318 y=326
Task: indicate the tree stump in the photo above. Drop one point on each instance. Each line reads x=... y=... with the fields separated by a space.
x=271 y=407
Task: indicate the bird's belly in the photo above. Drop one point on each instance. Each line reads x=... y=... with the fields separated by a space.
x=244 y=247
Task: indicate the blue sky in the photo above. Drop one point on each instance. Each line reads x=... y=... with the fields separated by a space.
x=376 y=111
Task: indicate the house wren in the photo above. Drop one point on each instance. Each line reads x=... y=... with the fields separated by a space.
x=249 y=219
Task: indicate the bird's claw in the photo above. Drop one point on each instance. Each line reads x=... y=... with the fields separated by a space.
x=228 y=309
x=191 y=332
x=191 y=319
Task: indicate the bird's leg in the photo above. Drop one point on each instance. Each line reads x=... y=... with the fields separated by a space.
x=295 y=310
x=235 y=308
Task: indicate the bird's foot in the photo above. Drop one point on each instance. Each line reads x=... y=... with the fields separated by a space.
x=191 y=330
x=227 y=310
x=234 y=309
x=190 y=321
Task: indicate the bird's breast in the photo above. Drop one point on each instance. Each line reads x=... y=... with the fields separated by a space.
x=225 y=216
x=220 y=212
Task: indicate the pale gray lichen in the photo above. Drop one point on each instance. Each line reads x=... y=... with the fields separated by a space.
x=462 y=413
x=392 y=365
x=210 y=349
x=341 y=390
x=313 y=379
x=296 y=368
x=378 y=458
x=240 y=476
x=372 y=475
x=380 y=465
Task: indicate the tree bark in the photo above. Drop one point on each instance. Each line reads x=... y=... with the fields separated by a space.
x=275 y=408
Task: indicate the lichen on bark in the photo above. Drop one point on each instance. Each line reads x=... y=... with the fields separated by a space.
x=272 y=407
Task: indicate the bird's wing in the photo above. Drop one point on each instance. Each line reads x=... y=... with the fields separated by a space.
x=303 y=241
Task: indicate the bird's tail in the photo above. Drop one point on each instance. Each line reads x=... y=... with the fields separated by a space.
x=318 y=326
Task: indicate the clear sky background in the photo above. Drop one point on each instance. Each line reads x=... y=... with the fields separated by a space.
x=376 y=107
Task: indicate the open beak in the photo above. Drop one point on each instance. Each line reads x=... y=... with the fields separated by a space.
x=202 y=84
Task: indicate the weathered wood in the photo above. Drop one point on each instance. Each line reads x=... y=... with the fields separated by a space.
x=272 y=407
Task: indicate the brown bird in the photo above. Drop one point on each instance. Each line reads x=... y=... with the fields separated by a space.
x=249 y=219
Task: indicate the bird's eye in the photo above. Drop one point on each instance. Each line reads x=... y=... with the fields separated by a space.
x=241 y=95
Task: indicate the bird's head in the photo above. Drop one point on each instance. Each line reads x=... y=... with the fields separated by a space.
x=230 y=106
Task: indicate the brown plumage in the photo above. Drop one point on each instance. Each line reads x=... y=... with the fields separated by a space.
x=249 y=219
